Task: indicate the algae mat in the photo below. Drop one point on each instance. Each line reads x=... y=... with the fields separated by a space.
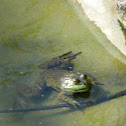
x=36 y=30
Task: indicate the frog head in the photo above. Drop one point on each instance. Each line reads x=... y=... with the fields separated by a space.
x=76 y=82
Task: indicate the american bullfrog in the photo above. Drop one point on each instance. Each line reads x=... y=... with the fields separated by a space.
x=57 y=73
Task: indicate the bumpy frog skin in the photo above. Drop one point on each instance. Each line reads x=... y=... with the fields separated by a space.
x=57 y=74
x=75 y=83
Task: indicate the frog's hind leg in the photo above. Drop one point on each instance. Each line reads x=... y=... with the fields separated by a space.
x=69 y=55
x=54 y=62
x=65 y=60
x=57 y=61
x=18 y=101
x=27 y=93
x=65 y=54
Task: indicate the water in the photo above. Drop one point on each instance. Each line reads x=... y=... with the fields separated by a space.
x=34 y=31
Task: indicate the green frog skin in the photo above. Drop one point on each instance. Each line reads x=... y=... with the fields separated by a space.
x=57 y=73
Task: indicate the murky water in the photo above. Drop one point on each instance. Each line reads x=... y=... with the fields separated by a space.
x=34 y=31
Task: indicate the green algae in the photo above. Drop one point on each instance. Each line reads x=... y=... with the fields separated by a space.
x=34 y=31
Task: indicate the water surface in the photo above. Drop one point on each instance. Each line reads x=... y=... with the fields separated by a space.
x=34 y=31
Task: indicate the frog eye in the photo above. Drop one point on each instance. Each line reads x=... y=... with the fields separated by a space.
x=76 y=81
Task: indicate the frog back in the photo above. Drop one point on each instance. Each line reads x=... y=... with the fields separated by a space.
x=53 y=77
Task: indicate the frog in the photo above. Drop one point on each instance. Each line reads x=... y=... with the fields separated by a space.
x=58 y=74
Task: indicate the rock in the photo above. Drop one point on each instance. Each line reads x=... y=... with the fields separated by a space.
x=121 y=7
x=105 y=14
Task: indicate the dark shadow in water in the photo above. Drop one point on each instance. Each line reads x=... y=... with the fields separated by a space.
x=83 y=101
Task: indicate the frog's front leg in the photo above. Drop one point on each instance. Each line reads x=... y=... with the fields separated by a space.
x=63 y=97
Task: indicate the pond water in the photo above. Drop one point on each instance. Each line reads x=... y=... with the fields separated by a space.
x=35 y=31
